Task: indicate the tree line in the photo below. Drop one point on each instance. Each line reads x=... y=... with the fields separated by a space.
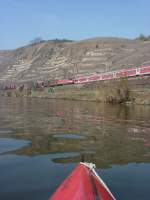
x=143 y=37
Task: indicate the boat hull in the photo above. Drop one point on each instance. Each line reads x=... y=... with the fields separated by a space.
x=83 y=184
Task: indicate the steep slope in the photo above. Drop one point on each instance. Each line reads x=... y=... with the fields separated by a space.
x=63 y=59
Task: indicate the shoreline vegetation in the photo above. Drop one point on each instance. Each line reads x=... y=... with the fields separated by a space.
x=112 y=92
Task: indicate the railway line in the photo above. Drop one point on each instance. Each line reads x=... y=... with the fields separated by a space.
x=97 y=77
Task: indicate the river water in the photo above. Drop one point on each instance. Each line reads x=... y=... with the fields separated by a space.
x=42 y=140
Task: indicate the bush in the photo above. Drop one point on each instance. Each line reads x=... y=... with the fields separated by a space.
x=116 y=91
x=142 y=37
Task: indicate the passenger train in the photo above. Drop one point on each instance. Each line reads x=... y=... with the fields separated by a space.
x=130 y=72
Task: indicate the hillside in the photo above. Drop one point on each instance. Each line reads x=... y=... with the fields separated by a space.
x=63 y=59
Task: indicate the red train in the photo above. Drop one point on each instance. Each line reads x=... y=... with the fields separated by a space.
x=60 y=82
x=131 y=72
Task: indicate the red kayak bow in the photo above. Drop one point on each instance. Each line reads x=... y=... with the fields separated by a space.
x=83 y=184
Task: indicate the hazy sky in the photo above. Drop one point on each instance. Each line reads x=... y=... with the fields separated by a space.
x=23 y=20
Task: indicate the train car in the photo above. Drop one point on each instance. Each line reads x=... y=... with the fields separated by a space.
x=81 y=80
x=144 y=70
x=65 y=82
x=107 y=76
x=93 y=78
x=131 y=72
x=60 y=82
x=52 y=83
x=126 y=73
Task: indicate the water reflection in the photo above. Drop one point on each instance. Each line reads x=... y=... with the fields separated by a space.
x=105 y=135
x=8 y=144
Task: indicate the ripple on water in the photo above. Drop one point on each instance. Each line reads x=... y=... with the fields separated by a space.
x=69 y=136
x=6 y=130
x=9 y=144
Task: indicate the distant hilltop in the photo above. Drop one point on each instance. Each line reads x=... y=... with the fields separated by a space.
x=57 y=59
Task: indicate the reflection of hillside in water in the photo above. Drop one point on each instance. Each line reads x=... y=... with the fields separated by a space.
x=112 y=134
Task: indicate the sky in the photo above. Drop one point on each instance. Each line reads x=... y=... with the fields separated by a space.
x=23 y=20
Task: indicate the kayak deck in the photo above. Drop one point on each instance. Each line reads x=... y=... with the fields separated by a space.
x=83 y=184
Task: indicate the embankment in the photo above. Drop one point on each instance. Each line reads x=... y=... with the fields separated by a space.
x=135 y=90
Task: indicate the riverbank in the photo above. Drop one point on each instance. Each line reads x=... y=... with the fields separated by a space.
x=113 y=92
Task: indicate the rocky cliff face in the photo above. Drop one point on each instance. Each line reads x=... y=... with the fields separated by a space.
x=62 y=59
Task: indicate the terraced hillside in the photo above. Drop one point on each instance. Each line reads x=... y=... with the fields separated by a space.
x=63 y=59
